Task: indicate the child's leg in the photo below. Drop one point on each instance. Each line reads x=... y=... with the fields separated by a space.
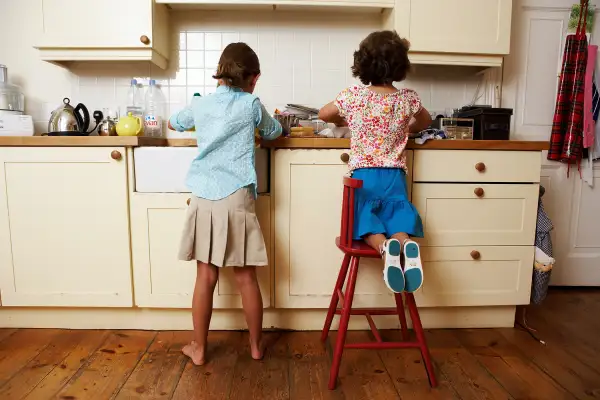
x=202 y=306
x=253 y=307
x=393 y=275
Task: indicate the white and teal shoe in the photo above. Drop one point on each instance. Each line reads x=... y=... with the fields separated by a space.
x=413 y=267
x=392 y=272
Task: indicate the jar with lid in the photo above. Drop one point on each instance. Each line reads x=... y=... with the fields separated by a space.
x=12 y=100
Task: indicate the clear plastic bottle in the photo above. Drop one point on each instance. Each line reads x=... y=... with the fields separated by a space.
x=154 y=111
x=135 y=100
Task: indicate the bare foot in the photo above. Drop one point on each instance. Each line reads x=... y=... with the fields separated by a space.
x=194 y=352
x=257 y=349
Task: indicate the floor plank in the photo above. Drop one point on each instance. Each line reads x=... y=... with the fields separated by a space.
x=171 y=341
x=408 y=373
x=465 y=374
x=155 y=377
x=20 y=348
x=516 y=373
x=362 y=373
x=109 y=367
x=267 y=378
x=213 y=380
x=575 y=376
x=309 y=368
x=41 y=365
x=68 y=367
x=6 y=332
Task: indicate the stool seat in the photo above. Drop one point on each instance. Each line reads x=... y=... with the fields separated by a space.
x=358 y=249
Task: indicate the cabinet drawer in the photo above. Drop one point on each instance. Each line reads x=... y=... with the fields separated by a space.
x=454 y=215
x=476 y=166
x=452 y=277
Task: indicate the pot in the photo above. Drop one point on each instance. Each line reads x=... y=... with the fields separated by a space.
x=129 y=125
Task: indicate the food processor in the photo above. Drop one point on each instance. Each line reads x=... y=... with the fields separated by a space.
x=12 y=100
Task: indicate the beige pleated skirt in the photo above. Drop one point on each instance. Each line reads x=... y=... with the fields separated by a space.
x=225 y=232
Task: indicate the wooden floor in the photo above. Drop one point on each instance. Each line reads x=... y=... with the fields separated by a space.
x=471 y=364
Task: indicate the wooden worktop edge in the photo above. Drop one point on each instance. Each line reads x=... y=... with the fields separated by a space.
x=282 y=143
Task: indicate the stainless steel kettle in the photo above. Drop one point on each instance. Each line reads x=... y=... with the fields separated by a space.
x=69 y=121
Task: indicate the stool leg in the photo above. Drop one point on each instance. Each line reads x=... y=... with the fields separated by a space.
x=334 y=298
x=343 y=329
x=418 y=328
x=402 y=315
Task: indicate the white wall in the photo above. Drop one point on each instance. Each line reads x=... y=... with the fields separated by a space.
x=539 y=29
x=305 y=58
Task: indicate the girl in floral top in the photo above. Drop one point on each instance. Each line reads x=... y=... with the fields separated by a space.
x=380 y=117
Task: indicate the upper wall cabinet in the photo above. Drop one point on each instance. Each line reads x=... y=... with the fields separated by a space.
x=131 y=30
x=460 y=32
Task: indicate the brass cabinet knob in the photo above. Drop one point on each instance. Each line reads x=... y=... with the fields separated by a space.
x=480 y=167
x=475 y=255
x=188 y=201
x=345 y=157
x=479 y=192
x=145 y=39
x=116 y=155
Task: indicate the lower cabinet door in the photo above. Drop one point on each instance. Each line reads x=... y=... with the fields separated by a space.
x=476 y=276
x=160 y=279
x=307 y=203
x=64 y=227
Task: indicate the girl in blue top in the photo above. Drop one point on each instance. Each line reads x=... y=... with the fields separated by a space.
x=221 y=228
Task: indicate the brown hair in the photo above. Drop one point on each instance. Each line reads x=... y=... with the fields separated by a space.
x=382 y=58
x=238 y=63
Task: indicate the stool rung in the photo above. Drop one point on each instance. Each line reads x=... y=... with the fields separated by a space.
x=371 y=311
x=383 y=345
x=373 y=328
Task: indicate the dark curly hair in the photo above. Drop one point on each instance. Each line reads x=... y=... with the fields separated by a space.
x=382 y=58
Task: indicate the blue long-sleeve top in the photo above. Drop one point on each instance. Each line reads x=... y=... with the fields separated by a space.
x=225 y=122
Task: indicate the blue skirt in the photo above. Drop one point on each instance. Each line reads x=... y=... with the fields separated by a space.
x=382 y=205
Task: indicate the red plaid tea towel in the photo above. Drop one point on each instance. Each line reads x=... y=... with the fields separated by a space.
x=567 y=126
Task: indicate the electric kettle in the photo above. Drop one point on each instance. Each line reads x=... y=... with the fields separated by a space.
x=69 y=121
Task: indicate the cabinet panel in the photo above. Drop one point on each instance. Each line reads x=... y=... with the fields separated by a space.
x=433 y=166
x=501 y=276
x=453 y=215
x=115 y=23
x=64 y=227
x=161 y=280
x=470 y=26
x=307 y=203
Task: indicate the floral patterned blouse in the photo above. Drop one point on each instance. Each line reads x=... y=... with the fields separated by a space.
x=378 y=124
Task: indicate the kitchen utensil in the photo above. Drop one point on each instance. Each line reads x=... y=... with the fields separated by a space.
x=108 y=126
x=129 y=125
x=287 y=122
x=308 y=110
x=12 y=100
x=69 y=121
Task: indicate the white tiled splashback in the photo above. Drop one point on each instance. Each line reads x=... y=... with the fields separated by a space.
x=305 y=58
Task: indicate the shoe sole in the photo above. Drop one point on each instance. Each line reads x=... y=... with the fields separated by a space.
x=392 y=272
x=413 y=274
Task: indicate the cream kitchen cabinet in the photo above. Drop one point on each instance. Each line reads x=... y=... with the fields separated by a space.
x=64 y=231
x=307 y=196
x=475 y=276
x=477 y=214
x=119 y=30
x=453 y=32
x=160 y=279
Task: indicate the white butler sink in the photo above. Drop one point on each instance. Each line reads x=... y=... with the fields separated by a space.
x=163 y=169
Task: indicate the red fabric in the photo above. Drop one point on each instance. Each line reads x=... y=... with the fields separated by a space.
x=566 y=139
x=589 y=125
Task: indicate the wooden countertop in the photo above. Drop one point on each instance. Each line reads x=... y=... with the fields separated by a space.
x=282 y=143
x=80 y=141
x=329 y=143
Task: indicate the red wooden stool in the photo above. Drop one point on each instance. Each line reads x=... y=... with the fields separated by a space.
x=353 y=251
